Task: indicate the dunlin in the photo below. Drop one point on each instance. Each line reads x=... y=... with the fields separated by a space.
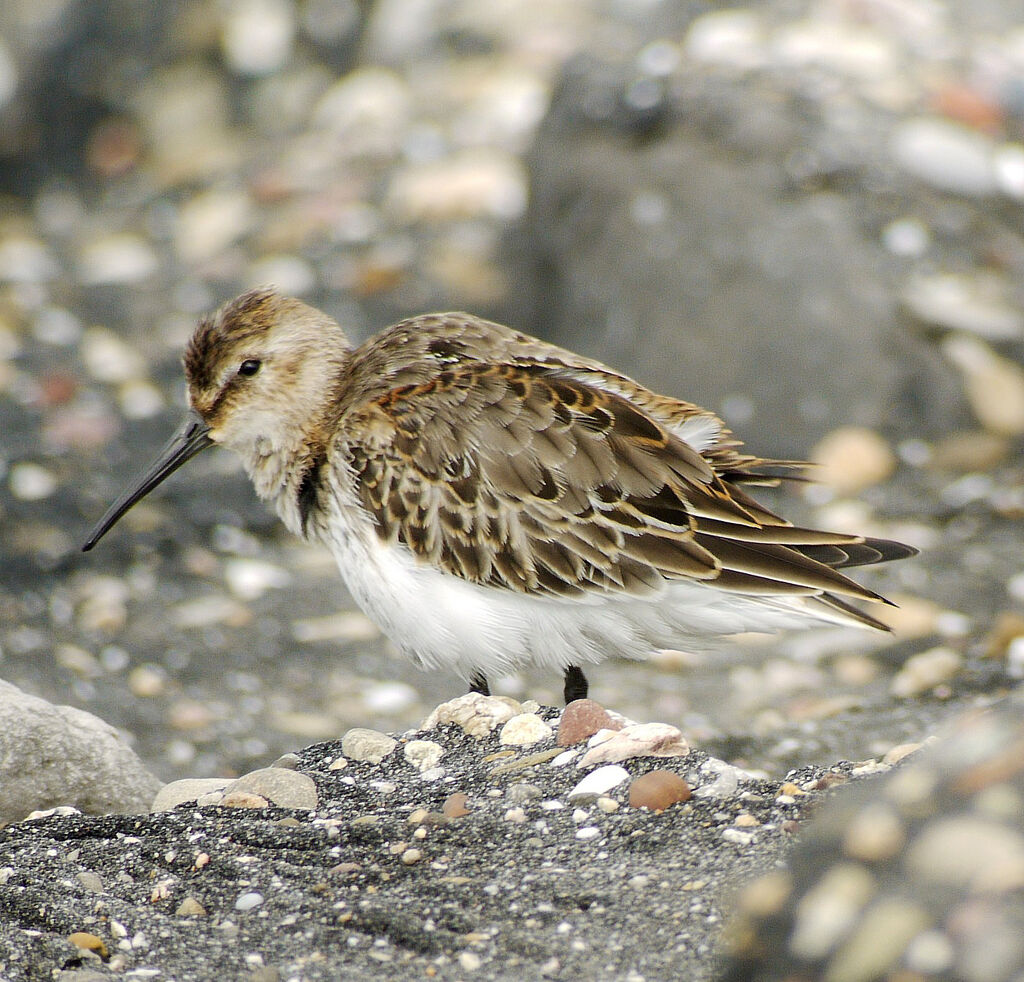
x=492 y=499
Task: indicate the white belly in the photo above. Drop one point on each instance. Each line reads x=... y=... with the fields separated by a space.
x=441 y=620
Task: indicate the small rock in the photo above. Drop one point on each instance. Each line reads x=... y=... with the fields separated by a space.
x=925 y=671
x=853 y=458
x=634 y=740
x=30 y=482
x=411 y=856
x=875 y=833
x=737 y=837
x=455 y=805
x=477 y=714
x=89 y=942
x=994 y=385
x=90 y=881
x=657 y=790
x=469 y=961
x=243 y=799
x=599 y=782
x=581 y=719
x=190 y=789
x=946 y=155
x=423 y=754
x=190 y=907
x=371 y=746
x=285 y=788
x=249 y=901
x=524 y=730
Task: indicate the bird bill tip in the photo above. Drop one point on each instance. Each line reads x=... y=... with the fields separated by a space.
x=191 y=438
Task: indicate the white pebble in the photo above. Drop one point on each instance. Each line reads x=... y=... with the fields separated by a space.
x=599 y=782
x=469 y=961
x=249 y=579
x=946 y=155
x=30 y=482
x=121 y=258
x=738 y=837
x=588 y=832
x=108 y=358
x=423 y=754
x=258 y=36
x=248 y=901
x=524 y=730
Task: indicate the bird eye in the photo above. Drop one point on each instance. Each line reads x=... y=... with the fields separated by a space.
x=249 y=367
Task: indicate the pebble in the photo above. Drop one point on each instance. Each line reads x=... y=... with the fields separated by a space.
x=946 y=155
x=31 y=482
x=109 y=359
x=455 y=805
x=89 y=942
x=923 y=672
x=423 y=754
x=588 y=832
x=516 y=815
x=26 y=260
x=120 y=259
x=737 y=837
x=599 y=782
x=90 y=881
x=657 y=790
x=523 y=792
x=411 y=856
x=994 y=385
x=285 y=788
x=875 y=833
x=827 y=911
x=524 y=730
x=851 y=459
x=371 y=746
x=241 y=799
x=469 y=961
x=147 y=681
x=634 y=740
x=976 y=303
x=249 y=901
x=250 y=579
x=190 y=907
x=476 y=714
x=581 y=719
x=725 y=779
x=189 y=789
x=258 y=35
x=211 y=221
x=479 y=183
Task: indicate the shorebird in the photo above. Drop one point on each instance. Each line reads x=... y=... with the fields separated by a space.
x=492 y=499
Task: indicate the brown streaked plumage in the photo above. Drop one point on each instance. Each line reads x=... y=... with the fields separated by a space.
x=491 y=498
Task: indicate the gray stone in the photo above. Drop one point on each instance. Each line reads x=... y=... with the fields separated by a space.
x=57 y=755
x=189 y=789
x=282 y=787
x=368 y=745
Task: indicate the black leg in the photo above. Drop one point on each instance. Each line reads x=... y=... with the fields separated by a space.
x=479 y=684
x=576 y=685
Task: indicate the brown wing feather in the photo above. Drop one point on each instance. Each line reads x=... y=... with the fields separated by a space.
x=535 y=479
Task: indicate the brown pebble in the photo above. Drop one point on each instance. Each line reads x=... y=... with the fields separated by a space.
x=244 y=799
x=455 y=805
x=582 y=719
x=190 y=907
x=658 y=790
x=82 y=939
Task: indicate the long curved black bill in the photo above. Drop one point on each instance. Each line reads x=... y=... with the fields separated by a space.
x=190 y=438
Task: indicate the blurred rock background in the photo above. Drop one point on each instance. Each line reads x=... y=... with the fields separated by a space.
x=805 y=215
